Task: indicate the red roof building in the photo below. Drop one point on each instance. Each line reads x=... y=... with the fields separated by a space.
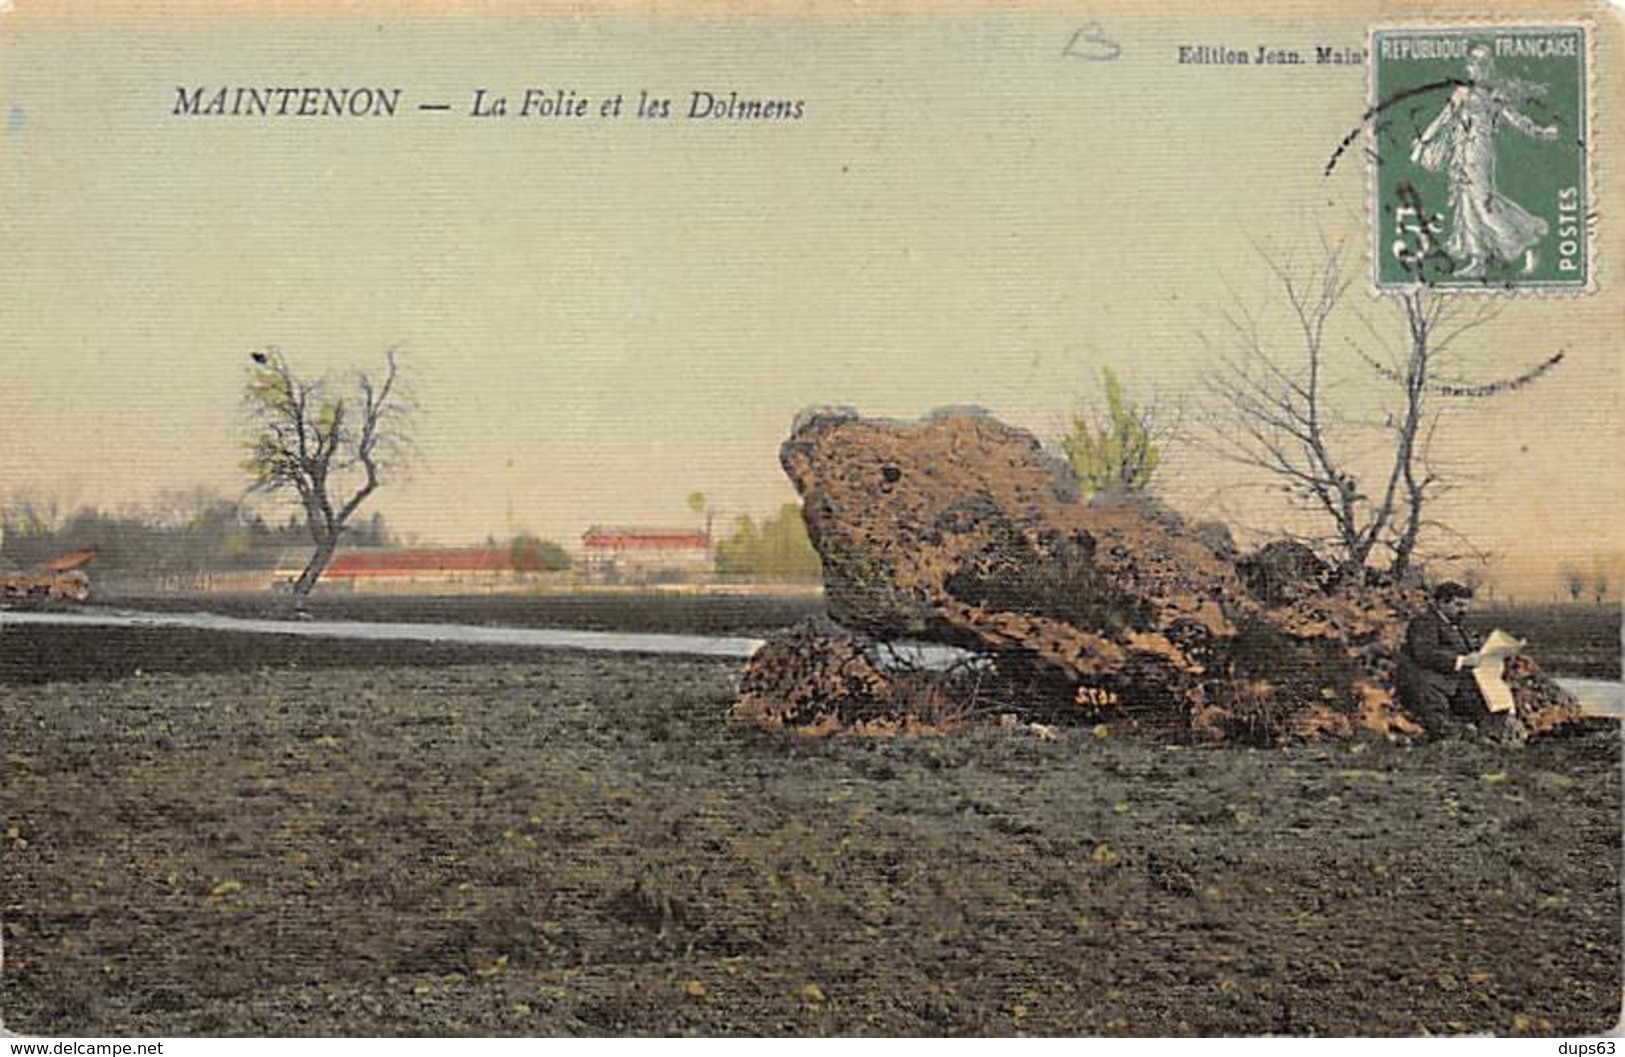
x=420 y=562
x=614 y=552
x=70 y=561
x=424 y=568
x=602 y=538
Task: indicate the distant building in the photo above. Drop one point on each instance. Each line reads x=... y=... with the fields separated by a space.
x=421 y=568
x=72 y=560
x=612 y=552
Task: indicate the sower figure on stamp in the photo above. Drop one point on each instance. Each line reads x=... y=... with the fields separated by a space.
x=1488 y=226
x=1435 y=680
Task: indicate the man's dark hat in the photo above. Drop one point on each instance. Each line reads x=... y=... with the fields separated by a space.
x=1450 y=590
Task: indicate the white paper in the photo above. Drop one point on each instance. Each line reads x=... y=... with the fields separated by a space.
x=1490 y=670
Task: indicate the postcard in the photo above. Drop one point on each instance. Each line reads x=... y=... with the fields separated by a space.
x=823 y=519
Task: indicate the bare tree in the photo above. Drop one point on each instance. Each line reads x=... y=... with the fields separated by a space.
x=35 y=513
x=186 y=506
x=1474 y=580
x=330 y=441
x=1370 y=475
x=1573 y=579
x=1599 y=582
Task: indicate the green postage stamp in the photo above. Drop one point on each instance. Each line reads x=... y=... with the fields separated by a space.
x=1480 y=167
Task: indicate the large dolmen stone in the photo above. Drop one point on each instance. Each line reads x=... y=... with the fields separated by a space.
x=962 y=531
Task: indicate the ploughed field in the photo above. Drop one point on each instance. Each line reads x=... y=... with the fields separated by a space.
x=694 y=614
x=1579 y=640
x=35 y=655
x=378 y=839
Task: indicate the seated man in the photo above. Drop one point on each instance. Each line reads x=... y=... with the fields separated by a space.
x=1435 y=679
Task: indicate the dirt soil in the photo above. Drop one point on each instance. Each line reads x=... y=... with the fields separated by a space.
x=693 y=614
x=570 y=844
x=1578 y=640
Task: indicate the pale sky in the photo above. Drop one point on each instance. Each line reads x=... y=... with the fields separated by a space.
x=604 y=316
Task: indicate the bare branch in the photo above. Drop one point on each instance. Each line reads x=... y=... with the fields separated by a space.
x=310 y=436
x=1275 y=412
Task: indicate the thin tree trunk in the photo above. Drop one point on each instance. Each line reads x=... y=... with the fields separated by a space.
x=1418 y=373
x=308 y=579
